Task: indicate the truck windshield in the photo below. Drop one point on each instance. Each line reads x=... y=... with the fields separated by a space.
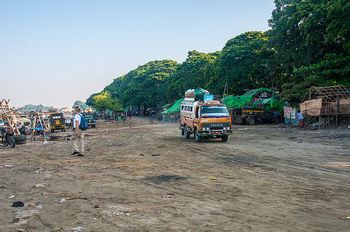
x=214 y=111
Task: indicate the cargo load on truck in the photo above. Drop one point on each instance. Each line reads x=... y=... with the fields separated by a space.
x=196 y=94
x=255 y=106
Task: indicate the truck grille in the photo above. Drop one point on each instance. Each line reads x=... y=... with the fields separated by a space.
x=216 y=126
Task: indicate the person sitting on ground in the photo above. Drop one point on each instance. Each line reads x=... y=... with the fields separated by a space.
x=39 y=125
x=78 y=134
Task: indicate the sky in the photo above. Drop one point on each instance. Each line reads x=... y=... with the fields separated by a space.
x=53 y=52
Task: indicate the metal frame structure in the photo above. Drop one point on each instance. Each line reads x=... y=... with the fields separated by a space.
x=331 y=112
x=8 y=115
x=39 y=119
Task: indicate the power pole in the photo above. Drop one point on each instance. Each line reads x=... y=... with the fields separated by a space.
x=225 y=90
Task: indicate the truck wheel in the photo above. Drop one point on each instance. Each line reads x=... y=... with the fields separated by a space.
x=20 y=139
x=251 y=120
x=259 y=120
x=197 y=137
x=224 y=138
x=182 y=132
x=52 y=130
x=187 y=133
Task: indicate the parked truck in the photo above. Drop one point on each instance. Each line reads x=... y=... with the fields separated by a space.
x=256 y=106
x=204 y=117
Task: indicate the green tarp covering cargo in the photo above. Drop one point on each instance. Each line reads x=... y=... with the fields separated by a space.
x=255 y=106
x=175 y=108
x=197 y=94
x=255 y=98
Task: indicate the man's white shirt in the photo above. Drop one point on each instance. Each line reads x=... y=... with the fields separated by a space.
x=77 y=117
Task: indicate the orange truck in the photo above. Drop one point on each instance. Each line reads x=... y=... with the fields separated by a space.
x=204 y=119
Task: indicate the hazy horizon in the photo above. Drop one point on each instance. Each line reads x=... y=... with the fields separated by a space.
x=56 y=52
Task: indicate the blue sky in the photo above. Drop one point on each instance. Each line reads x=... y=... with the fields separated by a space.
x=55 y=52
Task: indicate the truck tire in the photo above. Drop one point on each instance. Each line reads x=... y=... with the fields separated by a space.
x=20 y=139
x=224 y=138
x=182 y=131
x=187 y=133
x=197 y=137
x=251 y=120
x=259 y=120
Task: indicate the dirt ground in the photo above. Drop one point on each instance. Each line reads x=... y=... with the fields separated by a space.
x=149 y=178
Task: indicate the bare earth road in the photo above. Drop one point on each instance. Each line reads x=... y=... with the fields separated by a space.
x=148 y=178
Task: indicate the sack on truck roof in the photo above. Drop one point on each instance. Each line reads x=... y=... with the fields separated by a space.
x=196 y=94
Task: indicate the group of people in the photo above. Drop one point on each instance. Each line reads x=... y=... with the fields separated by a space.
x=78 y=140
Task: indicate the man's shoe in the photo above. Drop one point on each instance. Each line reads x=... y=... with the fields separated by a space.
x=75 y=153
x=80 y=154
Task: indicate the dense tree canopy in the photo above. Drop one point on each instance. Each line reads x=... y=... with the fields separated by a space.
x=311 y=38
x=104 y=101
x=197 y=71
x=308 y=45
x=142 y=86
x=246 y=63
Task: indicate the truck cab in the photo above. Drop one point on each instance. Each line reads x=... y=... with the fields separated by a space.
x=205 y=119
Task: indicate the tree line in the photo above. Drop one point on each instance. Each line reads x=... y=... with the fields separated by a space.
x=308 y=45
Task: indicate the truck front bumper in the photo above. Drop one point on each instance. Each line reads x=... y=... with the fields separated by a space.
x=215 y=133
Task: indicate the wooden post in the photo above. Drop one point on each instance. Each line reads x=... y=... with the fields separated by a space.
x=319 y=122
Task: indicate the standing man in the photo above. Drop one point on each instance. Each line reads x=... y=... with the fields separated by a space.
x=78 y=134
x=300 y=118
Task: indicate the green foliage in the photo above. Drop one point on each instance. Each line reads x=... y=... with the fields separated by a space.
x=246 y=62
x=197 y=71
x=90 y=100
x=144 y=85
x=308 y=45
x=311 y=39
x=104 y=101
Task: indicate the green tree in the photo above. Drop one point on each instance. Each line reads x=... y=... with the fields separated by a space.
x=143 y=86
x=308 y=44
x=246 y=62
x=104 y=101
x=197 y=71
x=311 y=39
